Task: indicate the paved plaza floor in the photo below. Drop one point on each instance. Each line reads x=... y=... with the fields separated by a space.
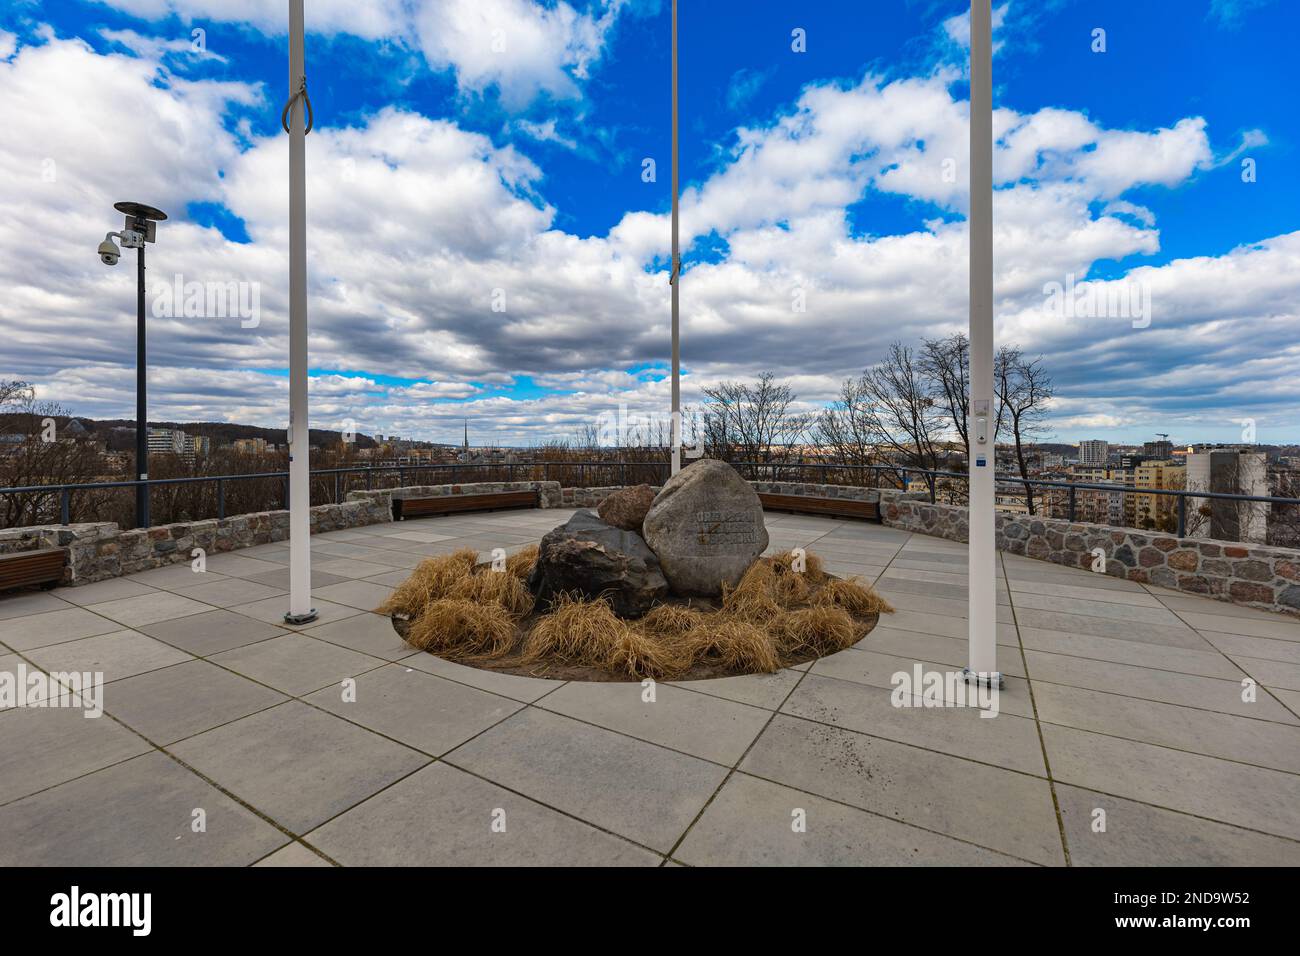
x=1138 y=726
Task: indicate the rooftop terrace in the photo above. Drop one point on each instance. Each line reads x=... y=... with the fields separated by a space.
x=1121 y=697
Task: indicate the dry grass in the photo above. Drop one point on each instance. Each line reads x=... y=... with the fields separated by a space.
x=815 y=630
x=852 y=595
x=576 y=631
x=463 y=629
x=773 y=617
x=520 y=564
x=430 y=581
x=494 y=587
x=736 y=645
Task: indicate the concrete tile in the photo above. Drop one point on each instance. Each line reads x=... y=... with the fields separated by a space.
x=1290 y=698
x=1005 y=740
x=229 y=592
x=175 y=576
x=371 y=634
x=1271 y=673
x=113 y=589
x=298 y=765
x=212 y=632
x=15 y=604
x=450 y=813
x=1208 y=693
x=53 y=627
x=420 y=710
x=999 y=809
x=702 y=726
x=1095 y=595
x=1141 y=835
x=526 y=689
x=295 y=663
x=364 y=595
x=279 y=578
x=241 y=565
x=1266 y=648
x=1174 y=636
x=1235 y=793
x=643 y=792
x=117 y=655
x=42 y=747
x=352 y=568
x=1281 y=628
x=272 y=611
x=953 y=651
x=148 y=608
x=293 y=855
x=940 y=624
x=1206 y=663
x=1131 y=613
x=750 y=823
x=176 y=702
x=1259 y=742
x=138 y=813
x=759 y=690
x=390 y=579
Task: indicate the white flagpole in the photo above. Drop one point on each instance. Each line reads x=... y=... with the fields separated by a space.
x=675 y=279
x=982 y=580
x=300 y=609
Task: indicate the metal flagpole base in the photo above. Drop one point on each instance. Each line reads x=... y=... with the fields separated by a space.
x=983 y=680
x=301 y=618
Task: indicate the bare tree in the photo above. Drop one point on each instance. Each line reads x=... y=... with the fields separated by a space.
x=752 y=422
x=1024 y=390
x=898 y=410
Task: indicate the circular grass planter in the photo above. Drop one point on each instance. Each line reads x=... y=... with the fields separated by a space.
x=775 y=617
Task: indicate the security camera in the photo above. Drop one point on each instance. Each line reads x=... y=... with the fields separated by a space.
x=109 y=253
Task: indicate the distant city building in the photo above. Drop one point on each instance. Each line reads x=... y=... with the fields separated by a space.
x=1094 y=452
x=250 y=446
x=1228 y=469
x=1158 y=449
x=167 y=441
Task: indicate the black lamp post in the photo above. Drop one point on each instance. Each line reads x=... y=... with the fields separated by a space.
x=141 y=227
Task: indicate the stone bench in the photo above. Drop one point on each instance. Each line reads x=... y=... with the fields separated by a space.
x=404 y=508
x=807 y=504
x=43 y=566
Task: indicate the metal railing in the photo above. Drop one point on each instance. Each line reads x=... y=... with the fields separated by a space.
x=618 y=473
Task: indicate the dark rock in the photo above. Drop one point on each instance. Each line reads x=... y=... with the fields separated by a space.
x=627 y=509
x=588 y=556
x=706 y=526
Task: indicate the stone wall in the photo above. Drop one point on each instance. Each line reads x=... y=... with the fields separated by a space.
x=549 y=495
x=1250 y=575
x=101 y=550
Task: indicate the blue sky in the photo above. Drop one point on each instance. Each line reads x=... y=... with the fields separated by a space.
x=468 y=154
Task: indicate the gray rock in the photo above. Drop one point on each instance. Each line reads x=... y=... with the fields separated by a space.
x=588 y=556
x=627 y=508
x=706 y=526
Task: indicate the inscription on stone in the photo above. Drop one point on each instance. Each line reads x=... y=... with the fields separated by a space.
x=721 y=532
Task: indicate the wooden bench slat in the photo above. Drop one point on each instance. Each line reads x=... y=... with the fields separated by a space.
x=25 y=568
x=808 y=504
x=453 y=504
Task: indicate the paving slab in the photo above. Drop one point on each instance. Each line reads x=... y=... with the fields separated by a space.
x=293 y=855
x=212 y=632
x=23 y=603
x=53 y=627
x=298 y=765
x=752 y=822
x=641 y=791
x=526 y=689
x=148 y=608
x=111 y=590
x=272 y=611
x=760 y=690
x=702 y=726
x=425 y=712
x=228 y=592
x=1243 y=795
x=116 y=655
x=137 y=813
x=364 y=595
x=442 y=816
x=177 y=702
x=1140 y=835
x=371 y=634
x=941 y=793
x=42 y=747
x=295 y=663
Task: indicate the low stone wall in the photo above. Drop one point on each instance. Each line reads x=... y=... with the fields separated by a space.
x=1250 y=575
x=548 y=492
x=101 y=550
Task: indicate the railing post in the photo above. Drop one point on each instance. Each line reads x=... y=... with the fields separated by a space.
x=929 y=480
x=285 y=483
x=336 y=488
x=622 y=473
x=1073 y=496
x=370 y=478
x=65 y=506
x=1182 y=515
x=221 y=498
